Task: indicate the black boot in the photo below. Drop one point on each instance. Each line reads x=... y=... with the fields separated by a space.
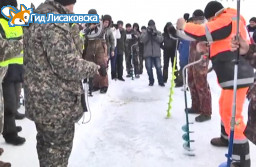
x=219 y=142
x=103 y=90
x=241 y=154
x=19 y=116
x=203 y=118
x=165 y=75
x=5 y=164
x=14 y=139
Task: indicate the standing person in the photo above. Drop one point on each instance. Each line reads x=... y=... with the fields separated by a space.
x=219 y=30
x=183 y=55
x=197 y=78
x=8 y=50
x=131 y=39
x=116 y=34
x=249 y=53
x=169 y=46
x=110 y=41
x=54 y=69
x=96 y=51
x=141 y=50
x=252 y=29
x=120 y=46
x=136 y=52
x=11 y=82
x=152 y=40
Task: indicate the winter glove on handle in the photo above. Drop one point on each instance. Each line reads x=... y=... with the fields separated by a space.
x=103 y=71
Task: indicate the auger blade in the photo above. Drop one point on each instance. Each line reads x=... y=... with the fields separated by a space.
x=189 y=151
x=185 y=128
x=185 y=137
x=224 y=164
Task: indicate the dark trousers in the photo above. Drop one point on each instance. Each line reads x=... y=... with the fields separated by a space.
x=10 y=95
x=54 y=144
x=119 y=65
x=113 y=64
x=156 y=61
x=167 y=58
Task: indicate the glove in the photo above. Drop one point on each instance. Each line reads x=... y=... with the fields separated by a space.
x=150 y=30
x=154 y=33
x=103 y=71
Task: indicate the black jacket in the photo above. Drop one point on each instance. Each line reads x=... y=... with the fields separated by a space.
x=120 y=43
x=169 y=44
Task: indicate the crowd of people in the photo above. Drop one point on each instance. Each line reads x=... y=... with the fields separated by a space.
x=58 y=56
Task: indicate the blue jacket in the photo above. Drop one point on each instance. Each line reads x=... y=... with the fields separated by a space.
x=184 y=52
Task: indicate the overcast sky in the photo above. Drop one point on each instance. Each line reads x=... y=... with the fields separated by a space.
x=142 y=11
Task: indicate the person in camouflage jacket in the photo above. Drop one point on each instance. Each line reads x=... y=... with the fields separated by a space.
x=54 y=69
x=8 y=50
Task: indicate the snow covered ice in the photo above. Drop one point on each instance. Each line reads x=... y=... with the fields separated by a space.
x=129 y=129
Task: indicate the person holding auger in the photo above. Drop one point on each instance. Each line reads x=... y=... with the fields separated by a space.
x=219 y=30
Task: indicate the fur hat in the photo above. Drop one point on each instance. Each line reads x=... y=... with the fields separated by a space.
x=120 y=22
x=66 y=2
x=92 y=11
x=212 y=8
x=107 y=17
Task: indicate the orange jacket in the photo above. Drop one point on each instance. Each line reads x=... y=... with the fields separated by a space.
x=219 y=32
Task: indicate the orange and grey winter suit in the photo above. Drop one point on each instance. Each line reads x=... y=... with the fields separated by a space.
x=219 y=31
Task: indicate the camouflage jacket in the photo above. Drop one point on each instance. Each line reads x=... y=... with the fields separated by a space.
x=251 y=58
x=54 y=69
x=8 y=50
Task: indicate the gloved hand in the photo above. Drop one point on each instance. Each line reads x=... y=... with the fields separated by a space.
x=150 y=30
x=154 y=33
x=103 y=71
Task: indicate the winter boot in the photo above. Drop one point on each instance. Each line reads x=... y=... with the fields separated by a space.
x=192 y=111
x=161 y=84
x=219 y=142
x=137 y=76
x=103 y=90
x=14 y=139
x=165 y=75
x=18 y=128
x=202 y=118
x=5 y=164
x=19 y=116
x=121 y=79
x=1 y=151
x=241 y=154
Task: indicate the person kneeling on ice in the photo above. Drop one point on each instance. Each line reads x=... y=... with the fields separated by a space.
x=54 y=69
x=152 y=40
x=219 y=31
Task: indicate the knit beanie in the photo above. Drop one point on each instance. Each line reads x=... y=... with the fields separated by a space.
x=212 y=8
x=66 y=2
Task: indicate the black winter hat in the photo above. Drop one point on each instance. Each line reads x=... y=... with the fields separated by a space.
x=198 y=13
x=143 y=28
x=66 y=2
x=128 y=25
x=253 y=19
x=212 y=8
x=107 y=17
x=186 y=16
x=92 y=11
x=120 y=22
x=151 y=23
x=8 y=2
